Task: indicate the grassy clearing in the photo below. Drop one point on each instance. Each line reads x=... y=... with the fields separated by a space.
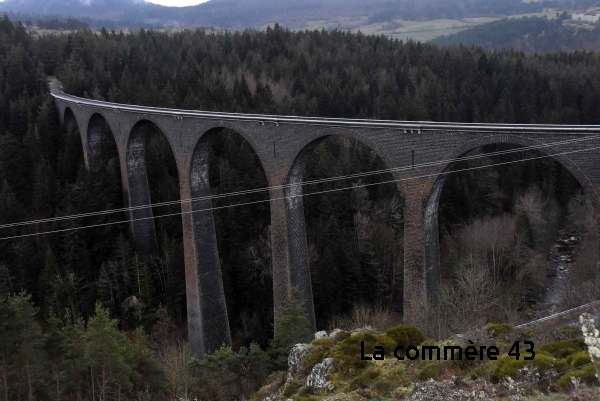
x=425 y=36
x=415 y=30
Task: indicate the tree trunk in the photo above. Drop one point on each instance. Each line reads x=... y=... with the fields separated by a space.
x=57 y=379
x=5 y=377
x=29 y=382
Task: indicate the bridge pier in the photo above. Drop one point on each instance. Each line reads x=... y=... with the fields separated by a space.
x=415 y=247
x=92 y=146
x=290 y=251
x=280 y=252
x=208 y=322
x=136 y=191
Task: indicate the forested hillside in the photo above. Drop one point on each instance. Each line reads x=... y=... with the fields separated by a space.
x=240 y=14
x=531 y=35
x=80 y=279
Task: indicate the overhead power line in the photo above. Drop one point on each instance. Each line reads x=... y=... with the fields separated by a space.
x=301 y=195
x=305 y=183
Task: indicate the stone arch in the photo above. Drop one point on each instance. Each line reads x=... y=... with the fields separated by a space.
x=95 y=134
x=208 y=296
x=69 y=119
x=432 y=253
x=210 y=130
x=299 y=275
x=308 y=145
x=135 y=184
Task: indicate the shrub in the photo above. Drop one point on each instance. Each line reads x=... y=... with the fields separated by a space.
x=304 y=398
x=430 y=371
x=363 y=380
x=383 y=387
x=586 y=374
x=397 y=373
x=406 y=336
x=527 y=334
x=291 y=389
x=376 y=316
x=499 y=330
x=562 y=349
x=579 y=359
x=508 y=365
x=464 y=363
x=571 y=331
x=348 y=350
x=319 y=350
x=341 y=336
x=484 y=371
x=305 y=390
x=573 y=361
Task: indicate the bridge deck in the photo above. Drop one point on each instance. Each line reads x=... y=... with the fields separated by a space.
x=56 y=91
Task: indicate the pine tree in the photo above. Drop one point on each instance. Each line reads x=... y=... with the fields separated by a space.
x=74 y=351
x=55 y=349
x=7 y=344
x=107 y=356
x=48 y=290
x=29 y=343
x=292 y=327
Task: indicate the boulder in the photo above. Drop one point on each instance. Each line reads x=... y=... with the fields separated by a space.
x=365 y=329
x=334 y=333
x=297 y=355
x=320 y=334
x=321 y=374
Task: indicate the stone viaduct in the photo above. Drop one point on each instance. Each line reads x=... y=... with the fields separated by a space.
x=283 y=145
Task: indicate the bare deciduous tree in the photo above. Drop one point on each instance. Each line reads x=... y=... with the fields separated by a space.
x=491 y=243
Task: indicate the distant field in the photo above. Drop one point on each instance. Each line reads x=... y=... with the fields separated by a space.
x=416 y=30
x=398 y=29
x=424 y=36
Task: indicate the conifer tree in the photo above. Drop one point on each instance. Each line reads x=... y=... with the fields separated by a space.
x=8 y=336
x=29 y=343
x=292 y=327
x=107 y=355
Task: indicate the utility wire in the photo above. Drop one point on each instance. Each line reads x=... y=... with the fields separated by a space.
x=296 y=196
x=305 y=183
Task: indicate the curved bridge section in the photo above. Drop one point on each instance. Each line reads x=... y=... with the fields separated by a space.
x=283 y=145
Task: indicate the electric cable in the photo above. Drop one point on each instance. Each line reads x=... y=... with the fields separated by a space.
x=305 y=183
x=295 y=196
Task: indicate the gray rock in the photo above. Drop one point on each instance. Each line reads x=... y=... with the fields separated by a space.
x=320 y=334
x=334 y=333
x=297 y=355
x=321 y=374
x=366 y=329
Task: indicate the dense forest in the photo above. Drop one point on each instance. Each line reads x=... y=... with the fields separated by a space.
x=531 y=35
x=63 y=294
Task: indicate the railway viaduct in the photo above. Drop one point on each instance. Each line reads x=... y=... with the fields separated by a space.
x=283 y=145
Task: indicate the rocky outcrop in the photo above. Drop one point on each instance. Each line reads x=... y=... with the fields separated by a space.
x=321 y=374
x=297 y=354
